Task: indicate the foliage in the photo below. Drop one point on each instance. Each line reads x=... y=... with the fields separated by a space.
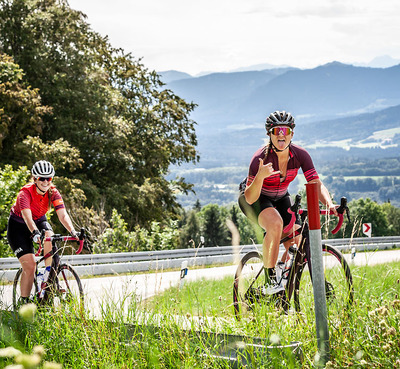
x=10 y=183
x=106 y=105
x=117 y=238
x=21 y=111
x=214 y=229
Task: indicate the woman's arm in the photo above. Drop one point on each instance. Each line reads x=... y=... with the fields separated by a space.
x=324 y=196
x=252 y=192
x=65 y=220
x=27 y=216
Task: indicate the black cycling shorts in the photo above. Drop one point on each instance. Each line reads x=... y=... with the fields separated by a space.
x=281 y=205
x=20 y=238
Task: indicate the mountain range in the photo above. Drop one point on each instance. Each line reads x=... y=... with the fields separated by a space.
x=351 y=109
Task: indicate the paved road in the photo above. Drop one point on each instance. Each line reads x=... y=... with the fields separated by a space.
x=113 y=290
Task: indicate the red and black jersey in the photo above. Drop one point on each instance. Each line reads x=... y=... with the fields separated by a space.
x=28 y=198
x=274 y=186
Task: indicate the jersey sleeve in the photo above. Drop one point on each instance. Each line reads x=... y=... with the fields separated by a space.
x=307 y=167
x=56 y=200
x=23 y=200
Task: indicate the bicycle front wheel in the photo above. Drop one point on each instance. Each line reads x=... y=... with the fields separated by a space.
x=17 y=290
x=338 y=284
x=67 y=288
x=247 y=287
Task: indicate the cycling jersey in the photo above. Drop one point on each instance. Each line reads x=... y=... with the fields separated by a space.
x=274 y=186
x=28 y=198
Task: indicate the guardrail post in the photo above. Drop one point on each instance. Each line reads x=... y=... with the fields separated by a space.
x=318 y=277
x=184 y=271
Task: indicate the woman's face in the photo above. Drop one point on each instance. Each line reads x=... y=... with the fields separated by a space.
x=43 y=183
x=281 y=136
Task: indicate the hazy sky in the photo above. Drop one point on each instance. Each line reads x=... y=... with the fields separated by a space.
x=220 y=35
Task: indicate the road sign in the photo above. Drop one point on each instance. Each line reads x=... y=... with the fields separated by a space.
x=367 y=229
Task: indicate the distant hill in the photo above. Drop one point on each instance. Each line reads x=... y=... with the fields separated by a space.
x=173 y=75
x=232 y=107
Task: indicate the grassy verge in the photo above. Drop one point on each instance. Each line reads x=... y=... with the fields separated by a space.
x=367 y=337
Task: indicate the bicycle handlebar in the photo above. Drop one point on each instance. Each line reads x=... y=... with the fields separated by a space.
x=295 y=209
x=58 y=237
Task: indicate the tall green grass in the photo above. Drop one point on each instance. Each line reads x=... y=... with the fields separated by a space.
x=165 y=332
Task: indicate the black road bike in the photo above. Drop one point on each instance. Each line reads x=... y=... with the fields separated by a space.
x=248 y=296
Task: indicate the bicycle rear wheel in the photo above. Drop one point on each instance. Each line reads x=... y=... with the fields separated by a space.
x=17 y=290
x=67 y=288
x=338 y=284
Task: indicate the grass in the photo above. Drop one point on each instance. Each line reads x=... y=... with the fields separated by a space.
x=367 y=337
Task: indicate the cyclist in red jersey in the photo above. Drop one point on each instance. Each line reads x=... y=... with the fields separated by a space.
x=266 y=198
x=28 y=218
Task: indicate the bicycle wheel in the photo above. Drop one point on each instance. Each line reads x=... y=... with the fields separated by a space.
x=67 y=288
x=17 y=289
x=249 y=280
x=338 y=284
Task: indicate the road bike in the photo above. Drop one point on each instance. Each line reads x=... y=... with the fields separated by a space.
x=249 y=282
x=63 y=285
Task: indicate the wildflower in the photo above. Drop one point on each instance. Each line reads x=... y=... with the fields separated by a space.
x=9 y=352
x=38 y=349
x=383 y=311
x=359 y=354
x=329 y=365
x=386 y=348
x=363 y=363
x=391 y=331
x=382 y=324
x=28 y=361
x=275 y=339
x=27 y=312
x=396 y=304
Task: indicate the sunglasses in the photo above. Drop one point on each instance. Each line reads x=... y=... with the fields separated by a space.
x=276 y=131
x=42 y=179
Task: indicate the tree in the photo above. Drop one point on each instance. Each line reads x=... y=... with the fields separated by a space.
x=10 y=183
x=191 y=231
x=127 y=128
x=215 y=230
x=368 y=211
x=21 y=111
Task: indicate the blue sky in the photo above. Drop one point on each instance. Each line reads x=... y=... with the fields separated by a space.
x=222 y=35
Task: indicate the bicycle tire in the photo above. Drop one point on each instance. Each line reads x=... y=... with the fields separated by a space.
x=248 y=297
x=66 y=289
x=338 y=283
x=17 y=289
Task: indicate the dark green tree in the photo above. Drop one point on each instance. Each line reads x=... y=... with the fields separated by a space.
x=215 y=231
x=126 y=127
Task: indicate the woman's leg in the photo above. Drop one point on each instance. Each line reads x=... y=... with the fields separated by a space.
x=28 y=266
x=271 y=221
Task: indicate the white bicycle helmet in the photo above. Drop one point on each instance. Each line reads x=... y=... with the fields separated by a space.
x=43 y=168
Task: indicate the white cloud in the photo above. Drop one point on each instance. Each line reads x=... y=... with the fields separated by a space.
x=192 y=36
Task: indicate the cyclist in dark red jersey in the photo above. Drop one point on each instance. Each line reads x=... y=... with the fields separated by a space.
x=28 y=218
x=266 y=198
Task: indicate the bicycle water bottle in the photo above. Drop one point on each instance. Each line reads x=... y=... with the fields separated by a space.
x=39 y=279
x=44 y=280
x=289 y=263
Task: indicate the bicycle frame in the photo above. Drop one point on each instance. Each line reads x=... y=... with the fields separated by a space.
x=54 y=252
x=301 y=256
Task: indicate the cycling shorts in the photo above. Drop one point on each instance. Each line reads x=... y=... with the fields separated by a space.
x=281 y=205
x=20 y=237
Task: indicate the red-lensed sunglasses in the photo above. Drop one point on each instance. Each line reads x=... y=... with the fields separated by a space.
x=285 y=131
x=42 y=179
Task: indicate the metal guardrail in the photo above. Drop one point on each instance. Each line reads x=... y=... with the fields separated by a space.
x=126 y=262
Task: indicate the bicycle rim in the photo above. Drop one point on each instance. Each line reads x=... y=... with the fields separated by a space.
x=338 y=285
x=17 y=290
x=248 y=300
x=67 y=291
